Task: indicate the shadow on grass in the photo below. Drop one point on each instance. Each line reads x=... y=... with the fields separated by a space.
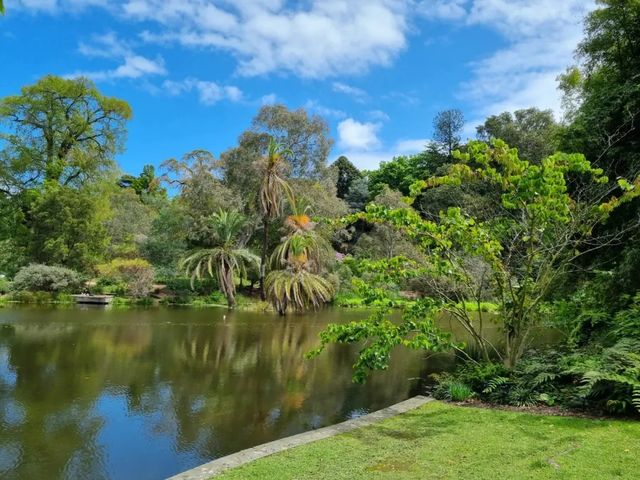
x=411 y=426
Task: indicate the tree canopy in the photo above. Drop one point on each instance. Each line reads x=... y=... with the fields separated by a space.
x=60 y=130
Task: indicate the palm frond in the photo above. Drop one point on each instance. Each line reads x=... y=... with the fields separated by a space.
x=299 y=290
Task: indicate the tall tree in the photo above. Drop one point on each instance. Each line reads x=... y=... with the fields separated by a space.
x=305 y=136
x=198 y=177
x=604 y=90
x=347 y=173
x=400 y=173
x=273 y=190
x=295 y=281
x=447 y=125
x=602 y=101
x=67 y=227
x=532 y=131
x=61 y=130
x=58 y=143
x=146 y=185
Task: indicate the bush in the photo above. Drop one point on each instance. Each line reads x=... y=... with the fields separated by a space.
x=5 y=286
x=134 y=275
x=449 y=388
x=45 y=278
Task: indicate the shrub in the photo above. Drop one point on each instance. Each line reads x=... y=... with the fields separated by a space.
x=449 y=388
x=5 y=285
x=45 y=278
x=134 y=274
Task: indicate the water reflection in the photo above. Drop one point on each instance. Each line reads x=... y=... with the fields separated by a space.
x=148 y=393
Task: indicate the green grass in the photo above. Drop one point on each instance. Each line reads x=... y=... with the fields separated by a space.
x=488 y=307
x=442 y=441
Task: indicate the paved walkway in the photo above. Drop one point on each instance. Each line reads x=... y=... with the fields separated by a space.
x=208 y=470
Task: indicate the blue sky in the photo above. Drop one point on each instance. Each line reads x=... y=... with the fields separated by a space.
x=196 y=71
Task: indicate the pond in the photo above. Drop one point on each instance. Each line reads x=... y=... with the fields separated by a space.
x=147 y=393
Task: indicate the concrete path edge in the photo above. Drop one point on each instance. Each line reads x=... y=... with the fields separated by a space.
x=219 y=465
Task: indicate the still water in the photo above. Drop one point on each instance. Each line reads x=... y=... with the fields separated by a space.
x=146 y=393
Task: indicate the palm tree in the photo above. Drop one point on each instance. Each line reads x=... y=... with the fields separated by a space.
x=273 y=189
x=302 y=244
x=295 y=286
x=294 y=280
x=226 y=258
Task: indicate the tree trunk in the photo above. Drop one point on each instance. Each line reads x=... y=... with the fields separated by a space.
x=263 y=260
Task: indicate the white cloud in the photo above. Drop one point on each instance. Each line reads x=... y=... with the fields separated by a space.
x=542 y=36
x=323 y=110
x=58 y=6
x=132 y=65
x=268 y=99
x=314 y=39
x=442 y=9
x=357 y=94
x=378 y=116
x=410 y=146
x=369 y=160
x=354 y=135
x=209 y=93
x=107 y=45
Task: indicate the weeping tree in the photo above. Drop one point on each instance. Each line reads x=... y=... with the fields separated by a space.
x=274 y=189
x=294 y=280
x=226 y=259
x=545 y=217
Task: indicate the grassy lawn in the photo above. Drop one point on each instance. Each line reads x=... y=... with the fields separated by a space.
x=441 y=441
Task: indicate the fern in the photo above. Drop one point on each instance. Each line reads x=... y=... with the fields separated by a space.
x=635 y=399
x=494 y=384
x=543 y=377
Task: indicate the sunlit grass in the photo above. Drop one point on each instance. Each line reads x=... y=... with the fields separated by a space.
x=442 y=441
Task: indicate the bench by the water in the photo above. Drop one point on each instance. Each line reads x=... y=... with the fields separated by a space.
x=93 y=299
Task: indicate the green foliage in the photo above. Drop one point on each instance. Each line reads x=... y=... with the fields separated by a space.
x=226 y=258
x=202 y=193
x=359 y=194
x=166 y=243
x=297 y=289
x=378 y=336
x=45 y=278
x=146 y=185
x=610 y=377
x=401 y=172
x=129 y=224
x=453 y=390
x=533 y=132
x=5 y=286
x=517 y=255
x=39 y=298
x=347 y=173
x=135 y=274
x=305 y=136
x=60 y=130
x=447 y=126
x=66 y=227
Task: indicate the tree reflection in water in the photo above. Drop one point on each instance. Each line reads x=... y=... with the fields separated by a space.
x=148 y=393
